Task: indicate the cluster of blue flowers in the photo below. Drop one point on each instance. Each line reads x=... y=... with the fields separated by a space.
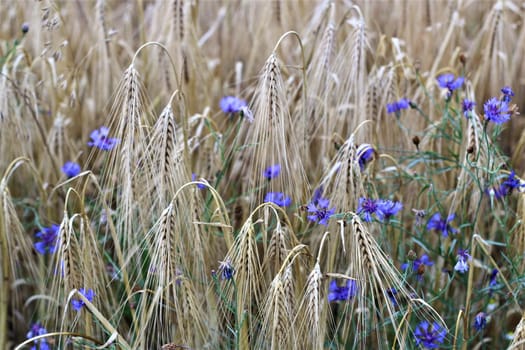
x=319 y=208
x=226 y=269
x=71 y=169
x=36 y=330
x=342 y=293
x=418 y=265
x=430 y=336
x=278 y=198
x=480 y=321
x=365 y=153
x=272 y=171
x=498 y=110
x=510 y=184
x=467 y=107
x=397 y=106
x=194 y=178
x=383 y=209
x=450 y=82
x=232 y=104
x=47 y=239
x=99 y=138
x=438 y=224
x=77 y=304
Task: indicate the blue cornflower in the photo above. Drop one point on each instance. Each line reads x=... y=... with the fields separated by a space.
x=194 y=178
x=392 y=292
x=463 y=259
x=438 y=224
x=365 y=153
x=71 y=169
x=278 y=198
x=48 y=239
x=226 y=269
x=382 y=208
x=467 y=106
x=496 y=111
x=448 y=81
x=418 y=265
x=342 y=293
x=387 y=209
x=232 y=104
x=100 y=139
x=493 y=278
x=319 y=211
x=318 y=194
x=36 y=330
x=77 y=304
x=512 y=183
x=366 y=208
x=272 y=171
x=431 y=336
x=508 y=94
x=480 y=321
x=397 y=106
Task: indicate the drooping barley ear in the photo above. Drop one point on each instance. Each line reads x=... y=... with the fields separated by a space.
x=246 y=296
x=320 y=119
x=193 y=316
x=281 y=242
x=272 y=140
x=382 y=88
x=178 y=18
x=277 y=10
x=518 y=341
x=343 y=185
x=57 y=139
x=354 y=71
x=518 y=235
x=278 y=310
x=381 y=299
x=166 y=166
x=15 y=247
x=276 y=327
x=311 y=317
x=162 y=272
x=490 y=53
x=125 y=163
